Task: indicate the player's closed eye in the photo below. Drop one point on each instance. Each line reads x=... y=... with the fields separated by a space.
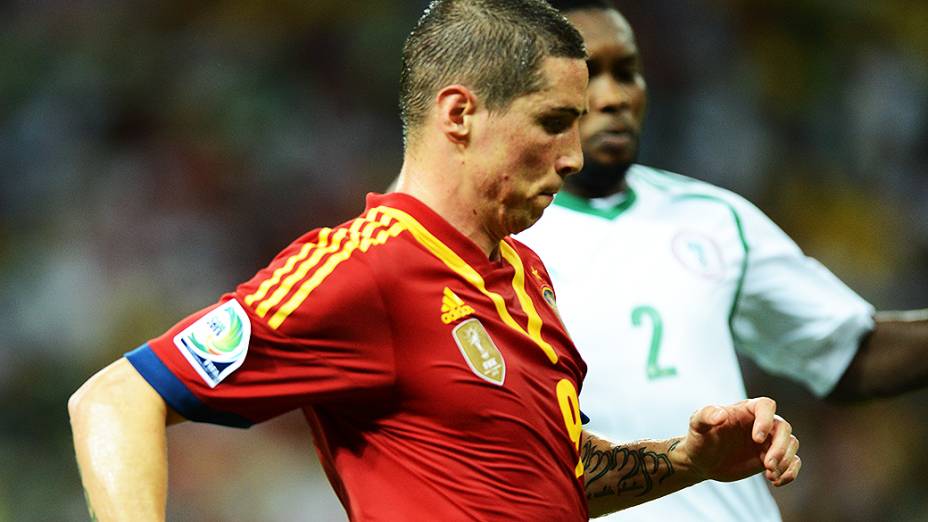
x=625 y=74
x=556 y=124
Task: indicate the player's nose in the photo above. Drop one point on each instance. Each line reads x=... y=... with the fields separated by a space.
x=570 y=161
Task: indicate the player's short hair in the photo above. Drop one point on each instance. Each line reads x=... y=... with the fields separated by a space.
x=495 y=47
x=566 y=6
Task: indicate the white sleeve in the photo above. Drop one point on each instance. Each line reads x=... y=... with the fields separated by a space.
x=794 y=317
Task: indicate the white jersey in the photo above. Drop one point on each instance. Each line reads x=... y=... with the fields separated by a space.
x=659 y=286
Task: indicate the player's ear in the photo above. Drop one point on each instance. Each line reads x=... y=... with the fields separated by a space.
x=456 y=105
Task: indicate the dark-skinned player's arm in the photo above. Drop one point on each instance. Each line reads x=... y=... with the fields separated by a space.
x=892 y=359
x=119 y=424
x=724 y=443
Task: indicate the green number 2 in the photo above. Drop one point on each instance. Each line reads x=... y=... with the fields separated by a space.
x=654 y=370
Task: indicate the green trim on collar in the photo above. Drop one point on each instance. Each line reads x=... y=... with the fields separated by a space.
x=573 y=202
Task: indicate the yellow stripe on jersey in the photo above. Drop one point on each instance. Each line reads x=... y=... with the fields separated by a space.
x=269 y=283
x=385 y=219
x=358 y=241
x=454 y=262
x=326 y=245
x=518 y=284
x=366 y=233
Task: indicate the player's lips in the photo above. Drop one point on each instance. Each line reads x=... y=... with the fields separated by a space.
x=550 y=191
x=547 y=195
x=613 y=139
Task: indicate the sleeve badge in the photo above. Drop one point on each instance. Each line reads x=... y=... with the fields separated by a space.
x=216 y=344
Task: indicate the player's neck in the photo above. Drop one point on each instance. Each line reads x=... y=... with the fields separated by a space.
x=450 y=199
x=597 y=181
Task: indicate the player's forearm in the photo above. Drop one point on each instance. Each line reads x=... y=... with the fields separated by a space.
x=891 y=360
x=118 y=425
x=619 y=476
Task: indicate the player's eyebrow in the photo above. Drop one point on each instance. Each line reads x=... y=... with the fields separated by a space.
x=632 y=58
x=568 y=111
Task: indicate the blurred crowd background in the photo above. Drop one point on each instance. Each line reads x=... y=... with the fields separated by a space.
x=155 y=153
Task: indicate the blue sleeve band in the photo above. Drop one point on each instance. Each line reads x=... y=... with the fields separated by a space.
x=175 y=393
x=583 y=418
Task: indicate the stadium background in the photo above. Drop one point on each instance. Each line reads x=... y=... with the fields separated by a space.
x=153 y=154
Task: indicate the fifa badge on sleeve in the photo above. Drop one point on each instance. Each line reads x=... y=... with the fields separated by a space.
x=216 y=344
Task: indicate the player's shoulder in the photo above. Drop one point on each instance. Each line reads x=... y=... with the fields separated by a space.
x=676 y=188
x=326 y=255
x=530 y=259
x=329 y=268
x=672 y=184
x=360 y=237
x=524 y=251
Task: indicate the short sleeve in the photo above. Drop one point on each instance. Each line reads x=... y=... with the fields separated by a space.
x=793 y=316
x=242 y=360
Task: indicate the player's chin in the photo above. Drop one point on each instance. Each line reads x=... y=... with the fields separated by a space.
x=539 y=204
x=541 y=201
x=528 y=217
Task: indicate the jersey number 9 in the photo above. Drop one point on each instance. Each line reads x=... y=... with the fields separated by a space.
x=570 y=408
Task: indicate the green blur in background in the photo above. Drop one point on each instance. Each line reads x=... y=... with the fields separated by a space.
x=154 y=154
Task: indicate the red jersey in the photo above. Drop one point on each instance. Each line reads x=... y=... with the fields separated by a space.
x=439 y=384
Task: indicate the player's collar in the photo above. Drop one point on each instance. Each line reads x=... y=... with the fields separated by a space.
x=608 y=207
x=462 y=245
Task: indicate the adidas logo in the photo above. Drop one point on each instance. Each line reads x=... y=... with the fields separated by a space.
x=453 y=308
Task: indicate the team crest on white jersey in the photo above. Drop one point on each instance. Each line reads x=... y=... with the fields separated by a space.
x=698 y=253
x=480 y=352
x=216 y=344
x=453 y=307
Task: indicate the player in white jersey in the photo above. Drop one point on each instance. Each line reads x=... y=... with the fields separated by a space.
x=661 y=278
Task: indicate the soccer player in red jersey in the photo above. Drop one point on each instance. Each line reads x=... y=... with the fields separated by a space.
x=420 y=340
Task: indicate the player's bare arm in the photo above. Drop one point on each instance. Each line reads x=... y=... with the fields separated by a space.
x=723 y=443
x=118 y=423
x=891 y=359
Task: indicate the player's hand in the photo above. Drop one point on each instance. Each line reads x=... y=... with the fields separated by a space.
x=728 y=443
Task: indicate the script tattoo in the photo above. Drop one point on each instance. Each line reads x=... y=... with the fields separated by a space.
x=636 y=469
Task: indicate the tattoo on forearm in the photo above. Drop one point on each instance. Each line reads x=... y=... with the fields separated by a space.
x=636 y=470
